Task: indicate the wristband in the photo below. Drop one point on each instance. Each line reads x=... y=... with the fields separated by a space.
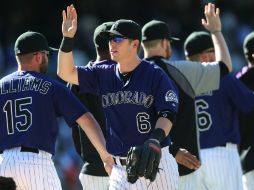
x=173 y=150
x=158 y=134
x=67 y=44
x=167 y=114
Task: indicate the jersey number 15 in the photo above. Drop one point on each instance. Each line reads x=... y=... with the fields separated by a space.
x=15 y=109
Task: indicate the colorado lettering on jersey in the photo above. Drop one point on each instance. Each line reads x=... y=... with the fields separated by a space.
x=27 y=84
x=127 y=97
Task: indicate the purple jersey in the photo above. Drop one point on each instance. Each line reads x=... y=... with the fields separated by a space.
x=246 y=147
x=217 y=112
x=131 y=107
x=30 y=103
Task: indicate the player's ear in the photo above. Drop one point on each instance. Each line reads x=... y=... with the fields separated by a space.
x=163 y=43
x=37 y=56
x=136 y=43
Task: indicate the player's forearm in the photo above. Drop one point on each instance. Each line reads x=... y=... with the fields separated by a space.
x=164 y=124
x=66 y=69
x=94 y=133
x=221 y=49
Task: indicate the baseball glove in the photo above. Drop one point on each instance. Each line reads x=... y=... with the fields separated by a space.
x=143 y=161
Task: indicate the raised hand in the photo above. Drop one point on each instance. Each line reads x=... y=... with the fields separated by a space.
x=69 y=24
x=212 y=18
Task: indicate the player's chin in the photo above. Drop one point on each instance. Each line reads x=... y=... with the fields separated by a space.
x=114 y=57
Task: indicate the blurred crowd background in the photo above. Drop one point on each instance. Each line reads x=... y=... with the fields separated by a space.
x=183 y=17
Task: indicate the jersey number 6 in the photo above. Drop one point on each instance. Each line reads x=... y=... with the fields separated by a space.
x=143 y=124
x=204 y=119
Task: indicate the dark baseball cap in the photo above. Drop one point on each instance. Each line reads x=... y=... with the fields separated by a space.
x=156 y=29
x=97 y=39
x=248 y=44
x=124 y=28
x=30 y=42
x=197 y=42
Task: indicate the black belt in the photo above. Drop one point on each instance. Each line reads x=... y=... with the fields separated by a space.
x=122 y=161
x=26 y=149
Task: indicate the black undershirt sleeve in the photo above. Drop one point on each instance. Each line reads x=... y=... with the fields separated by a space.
x=223 y=69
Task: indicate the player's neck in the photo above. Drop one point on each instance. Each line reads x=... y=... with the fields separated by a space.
x=25 y=67
x=129 y=65
x=154 y=52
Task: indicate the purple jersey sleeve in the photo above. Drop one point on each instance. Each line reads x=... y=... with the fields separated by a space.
x=87 y=80
x=67 y=105
x=166 y=93
x=238 y=93
x=90 y=76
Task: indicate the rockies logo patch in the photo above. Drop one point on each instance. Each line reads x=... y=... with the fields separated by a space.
x=171 y=97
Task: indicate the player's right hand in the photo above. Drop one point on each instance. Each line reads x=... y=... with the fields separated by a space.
x=212 y=18
x=185 y=158
x=69 y=24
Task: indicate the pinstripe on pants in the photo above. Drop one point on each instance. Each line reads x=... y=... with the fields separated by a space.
x=30 y=171
x=220 y=169
x=189 y=182
x=90 y=182
x=166 y=179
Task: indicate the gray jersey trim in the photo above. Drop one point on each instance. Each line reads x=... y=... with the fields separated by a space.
x=203 y=77
x=181 y=80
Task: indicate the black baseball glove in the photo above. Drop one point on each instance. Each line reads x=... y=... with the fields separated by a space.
x=144 y=161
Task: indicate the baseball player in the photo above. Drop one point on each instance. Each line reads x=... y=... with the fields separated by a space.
x=192 y=79
x=139 y=100
x=246 y=147
x=217 y=120
x=93 y=175
x=30 y=103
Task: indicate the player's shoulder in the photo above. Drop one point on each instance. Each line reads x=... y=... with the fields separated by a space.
x=154 y=70
x=151 y=66
x=104 y=64
x=12 y=76
x=28 y=75
x=54 y=83
x=181 y=65
x=229 y=78
x=230 y=82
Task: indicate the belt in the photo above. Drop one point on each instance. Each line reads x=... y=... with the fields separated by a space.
x=26 y=149
x=121 y=161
